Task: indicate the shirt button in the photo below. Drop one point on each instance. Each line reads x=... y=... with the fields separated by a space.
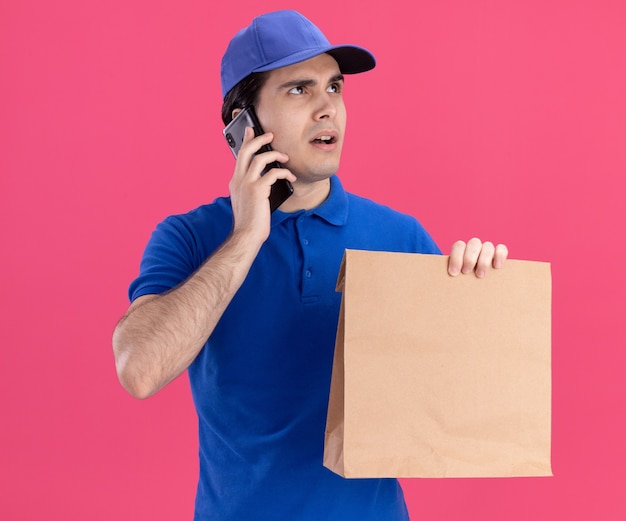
x=308 y=274
x=306 y=242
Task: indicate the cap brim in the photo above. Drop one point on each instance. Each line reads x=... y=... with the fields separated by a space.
x=350 y=58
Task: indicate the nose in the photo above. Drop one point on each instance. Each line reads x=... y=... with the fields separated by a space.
x=326 y=108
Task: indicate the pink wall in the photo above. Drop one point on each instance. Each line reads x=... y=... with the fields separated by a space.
x=503 y=119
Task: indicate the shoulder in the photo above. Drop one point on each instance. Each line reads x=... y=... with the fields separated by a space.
x=370 y=210
x=214 y=214
x=388 y=228
x=199 y=227
x=179 y=245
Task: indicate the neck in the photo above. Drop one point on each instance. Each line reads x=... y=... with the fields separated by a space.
x=306 y=196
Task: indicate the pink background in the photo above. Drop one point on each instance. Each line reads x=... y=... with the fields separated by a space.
x=503 y=119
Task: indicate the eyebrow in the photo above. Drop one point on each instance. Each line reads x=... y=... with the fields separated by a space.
x=307 y=82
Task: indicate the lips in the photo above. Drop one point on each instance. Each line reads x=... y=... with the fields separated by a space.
x=325 y=138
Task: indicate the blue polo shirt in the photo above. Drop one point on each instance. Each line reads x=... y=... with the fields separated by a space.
x=260 y=384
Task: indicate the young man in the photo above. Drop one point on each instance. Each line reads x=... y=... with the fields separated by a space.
x=245 y=299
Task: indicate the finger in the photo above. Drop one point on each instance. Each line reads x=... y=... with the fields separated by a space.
x=243 y=156
x=248 y=136
x=455 y=262
x=273 y=174
x=250 y=146
x=485 y=259
x=261 y=161
x=472 y=252
x=500 y=255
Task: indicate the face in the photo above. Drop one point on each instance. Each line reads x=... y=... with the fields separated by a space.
x=302 y=105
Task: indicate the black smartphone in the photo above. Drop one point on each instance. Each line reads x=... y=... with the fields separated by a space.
x=234 y=133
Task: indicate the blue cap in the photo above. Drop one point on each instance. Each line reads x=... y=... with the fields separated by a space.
x=282 y=38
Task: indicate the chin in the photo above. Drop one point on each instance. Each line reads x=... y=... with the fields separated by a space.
x=316 y=172
x=321 y=174
x=326 y=169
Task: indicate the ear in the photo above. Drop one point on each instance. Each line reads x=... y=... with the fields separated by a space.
x=235 y=112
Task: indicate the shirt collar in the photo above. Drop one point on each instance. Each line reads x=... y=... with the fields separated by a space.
x=334 y=209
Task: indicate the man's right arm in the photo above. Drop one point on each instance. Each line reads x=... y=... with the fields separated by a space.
x=161 y=335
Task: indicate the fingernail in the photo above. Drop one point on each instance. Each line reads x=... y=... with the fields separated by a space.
x=480 y=273
x=453 y=271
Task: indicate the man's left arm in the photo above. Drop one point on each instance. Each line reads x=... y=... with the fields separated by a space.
x=476 y=256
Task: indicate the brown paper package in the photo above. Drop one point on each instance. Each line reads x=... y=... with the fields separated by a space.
x=440 y=376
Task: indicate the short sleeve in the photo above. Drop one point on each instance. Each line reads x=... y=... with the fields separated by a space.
x=169 y=258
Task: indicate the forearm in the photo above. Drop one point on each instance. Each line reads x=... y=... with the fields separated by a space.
x=161 y=335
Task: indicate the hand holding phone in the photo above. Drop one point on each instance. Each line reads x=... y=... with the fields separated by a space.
x=234 y=134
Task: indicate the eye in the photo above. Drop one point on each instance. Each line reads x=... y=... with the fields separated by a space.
x=296 y=90
x=334 y=87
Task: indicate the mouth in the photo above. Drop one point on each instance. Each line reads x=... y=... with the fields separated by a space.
x=326 y=139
